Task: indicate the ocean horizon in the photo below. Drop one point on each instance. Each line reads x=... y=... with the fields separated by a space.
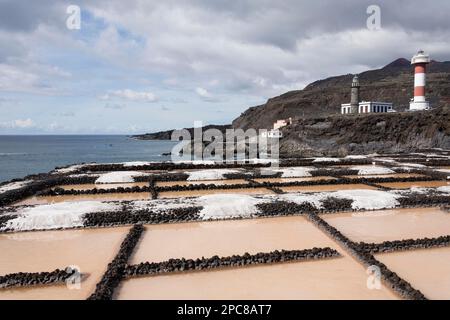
x=21 y=155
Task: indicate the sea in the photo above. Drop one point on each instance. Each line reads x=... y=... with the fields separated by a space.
x=24 y=155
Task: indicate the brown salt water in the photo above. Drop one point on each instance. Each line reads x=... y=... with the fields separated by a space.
x=427 y=270
x=198 y=193
x=91 y=250
x=189 y=183
x=287 y=180
x=325 y=188
x=225 y=238
x=337 y=278
x=103 y=186
x=417 y=184
x=389 y=225
x=85 y=197
x=395 y=175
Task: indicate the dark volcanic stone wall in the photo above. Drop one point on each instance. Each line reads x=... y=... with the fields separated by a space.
x=364 y=134
x=25 y=279
x=215 y=262
x=114 y=274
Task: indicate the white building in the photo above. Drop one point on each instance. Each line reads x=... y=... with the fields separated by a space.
x=368 y=107
x=355 y=106
x=282 y=123
x=275 y=132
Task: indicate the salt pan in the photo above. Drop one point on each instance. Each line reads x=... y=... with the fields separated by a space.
x=14 y=186
x=119 y=177
x=54 y=216
x=209 y=174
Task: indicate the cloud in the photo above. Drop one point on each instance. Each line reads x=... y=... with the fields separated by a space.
x=194 y=53
x=205 y=95
x=26 y=16
x=131 y=95
x=258 y=47
x=202 y=93
x=24 y=75
x=26 y=28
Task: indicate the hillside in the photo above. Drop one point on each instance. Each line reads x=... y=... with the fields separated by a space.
x=166 y=135
x=392 y=83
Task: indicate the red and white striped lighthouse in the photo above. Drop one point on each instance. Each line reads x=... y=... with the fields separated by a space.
x=420 y=61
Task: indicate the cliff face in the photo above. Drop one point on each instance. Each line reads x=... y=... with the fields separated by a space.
x=393 y=83
x=363 y=134
x=166 y=135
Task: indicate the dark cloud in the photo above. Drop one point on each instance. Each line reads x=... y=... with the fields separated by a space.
x=25 y=16
x=264 y=46
x=10 y=48
x=237 y=53
x=283 y=23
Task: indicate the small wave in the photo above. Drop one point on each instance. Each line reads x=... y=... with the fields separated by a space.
x=5 y=154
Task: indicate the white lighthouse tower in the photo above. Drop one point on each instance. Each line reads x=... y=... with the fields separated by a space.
x=420 y=61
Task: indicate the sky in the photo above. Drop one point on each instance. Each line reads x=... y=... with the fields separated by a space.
x=140 y=66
